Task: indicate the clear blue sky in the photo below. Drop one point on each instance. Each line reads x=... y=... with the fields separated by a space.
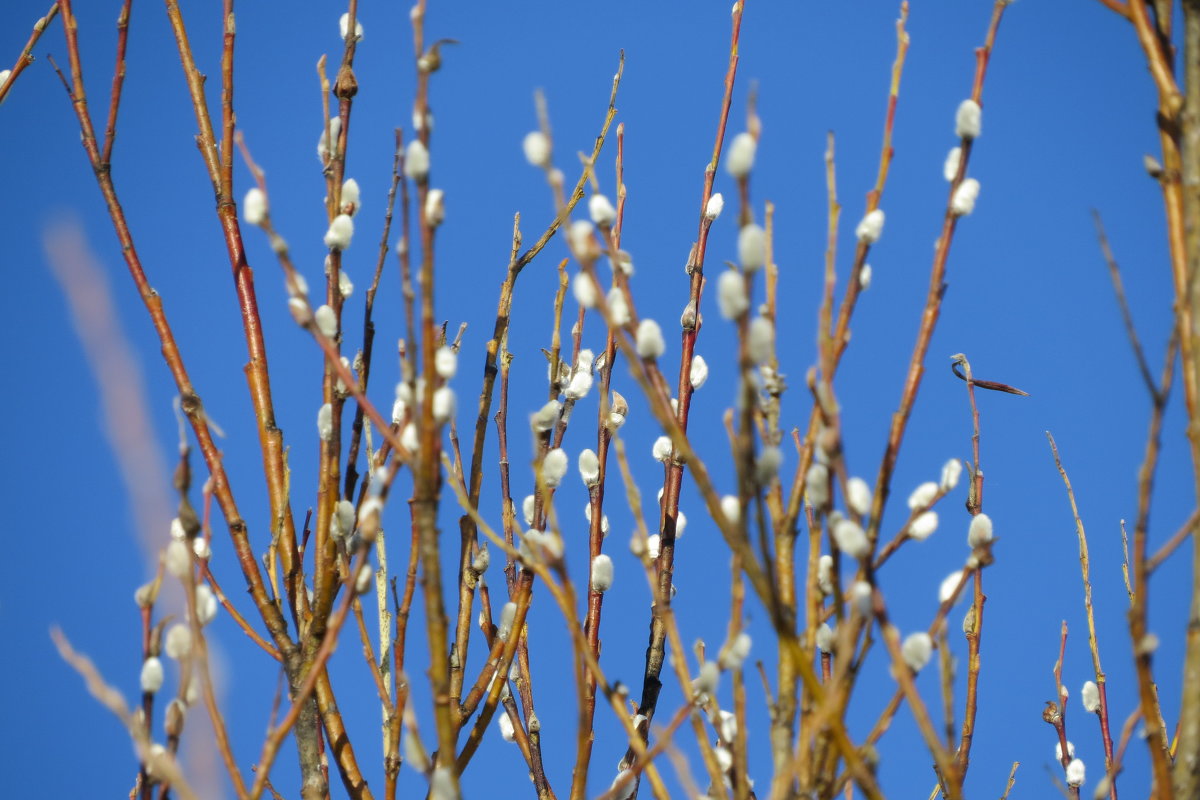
x=1068 y=114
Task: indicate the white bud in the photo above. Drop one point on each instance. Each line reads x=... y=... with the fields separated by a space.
x=731 y=294
x=1058 y=750
x=325 y=422
x=980 y=532
x=254 y=206
x=735 y=655
x=653 y=545
x=650 y=342
x=714 y=206
x=177 y=531
x=482 y=558
x=816 y=485
x=662 y=449
x=1076 y=773
x=1090 y=695
x=740 y=158
x=724 y=758
x=706 y=682
x=948 y=585
x=602 y=573
x=917 y=650
x=344 y=26
x=324 y=144
x=443 y=404
x=537 y=149
x=340 y=232
x=327 y=322
x=923 y=496
x=584 y=289
x=825 y=574
x=731 y=507
x=178 y=560
x=206 y=604
x=861 y=597
x=414 y=754
x=435 y=207
x=864 y=277
x=345 y=285
x=152 y=675
x=587 y=513
x=618 y=309
x=923 y=526
x=871 y=227
x=851 y=539
x=416 y=161
x=858 y=496
x=760 y=340
x=968 y=120
x=554 y=467
x=445 y=361
x=698 y=373
x=589 y=467
x=950 y=474
x=408 y=438
x=341 y=521
x=766 y=466
x=624 y=263
x=178 y=642
x=950 y=168
x=351 y=196
x=580 y=385
x=579 y=237
x=543 y=420
x=752 y=248
x=626 y=790
x=504 y=723
x=441 y=785
x=680 y=523
x=727 y=726
x=825 y=638
x=507 y=615
x=963 y=202
x=363 y=581
x=528 y=506
x=601 y=211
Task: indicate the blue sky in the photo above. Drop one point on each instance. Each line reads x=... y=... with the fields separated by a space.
x=1068 y=115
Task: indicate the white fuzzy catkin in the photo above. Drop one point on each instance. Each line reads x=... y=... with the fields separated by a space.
x=917 y=649
x=554 y=467
x=825 y=638
x=706 y=681
x=341 y=521
x=504 y=723
x=445 y=361
x=206 y=604
x=584 y=290
x=864 y=277
x=152 y=675
x=968 y=120
x=650 y=342
x=329 y=139
x=545 y=417
x=950 y=167
x=345 y=285
x=825 y=574
x=408 y=438
x=858 y=496
x=482 y=558
x=579 y=237
x=507 y=615
x=589 y=467
x=363 y=581
x=871 y=227
x=177 y=560
x=1076 y=773
x=740 y=158
x=435 y=207
x=714 y=206
x=680 y=523
x=416 y=160
x=537 y=148
x=698 y=373
x=948 y=585
x=923 y=496
x=351 y=196
x=653 y=545
x=1090 y=695
x=735 y=655
x=951 y=472
x=325 y=422
x=201 y=547
x=254 y=206
x=587 y=513
x=760 y=340
x=1058 y=750
x=579 y=386
x=528 y=505
x=326 y=319
x=443 y=404
x=618 y=309
x=861 y=598
x=178 y=641
x=344 y=26
x=626 y=790
x=816 y=486
x=442 y=785
x=340 y=232
x=731 y=507
x=766 y=466
x=752 y=248
x=662 y=449
x=602 y=573
x=963 y=202
x=850 y=539
x=726 y=725
x=923 y=526
x=980 y=532
x=601 y=210
x=731 y=294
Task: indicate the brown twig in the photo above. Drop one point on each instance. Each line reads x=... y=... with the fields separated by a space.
x=26 y=56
